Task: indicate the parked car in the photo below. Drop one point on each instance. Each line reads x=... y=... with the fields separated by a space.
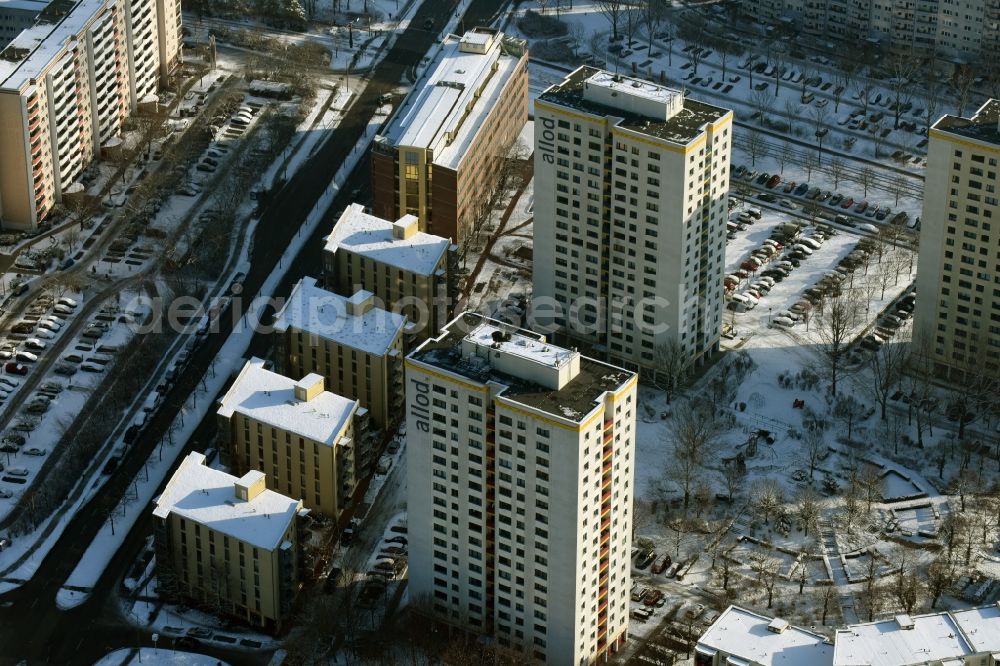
x=25 y=357
x=661 y=563
x=35 y=343
x=645 y=559
x=34 y=451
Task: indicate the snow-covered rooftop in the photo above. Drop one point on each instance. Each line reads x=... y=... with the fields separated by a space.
x=981 y=627
x=207 y=496
x=317 y=311
x=934 y=637
x=270 y=398
x=454 y=96
x=547 y=378
x=45 y=42
x=358 y=232
x=649 y=109
x=745 y=634
x=522 y=346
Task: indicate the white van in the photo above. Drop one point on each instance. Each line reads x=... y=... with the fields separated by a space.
x=867 y=228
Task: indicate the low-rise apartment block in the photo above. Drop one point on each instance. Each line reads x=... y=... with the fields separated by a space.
x=969 y=637
x=740 y=637
x=957 y=319
x=439 y=155
x=356 y=346
x=66 y=86
x=409 y=271
x=520 y=464
x=302 y=437
x=228 y=543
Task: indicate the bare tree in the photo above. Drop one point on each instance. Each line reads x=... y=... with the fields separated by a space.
x=865 y=178
x=726 y=49
x=779 y=68
x=903 y=67
x=961 y=85
x=763 y=103
x=692 y=31
x=813 y=448
x=878 y=131
x=886 y=364
x=695 y=431
x=809 y=509
x=835 y=327
x=872 y=597
x=653 y=13
x=940 y=576
x=672 y=364
x=766 y=567
x=614 y=11
x=827 y=594
x=835 y=167
x=793 y=110
x=843 y=78
x=755 y=146
x=785 y=155
x=766 y=497
x=848 y=411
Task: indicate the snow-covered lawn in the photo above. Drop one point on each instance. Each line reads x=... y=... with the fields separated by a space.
x=163 y=656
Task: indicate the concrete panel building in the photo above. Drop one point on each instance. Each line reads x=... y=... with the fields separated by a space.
x=18 y=15
x=302 y=437
x=409 y=271
x=631 y=204
x=520 y=479
x=66 y=86
x=439 y=155
x=228 y=543
x=957 y=317
x=357 y=347
x=952 y=29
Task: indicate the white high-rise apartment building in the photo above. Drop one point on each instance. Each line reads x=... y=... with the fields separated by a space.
x=631 y=193
x=520 y=463
x=66 y=86
x=958 y=272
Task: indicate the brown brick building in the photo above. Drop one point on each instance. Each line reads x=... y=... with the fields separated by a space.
x=439 y=155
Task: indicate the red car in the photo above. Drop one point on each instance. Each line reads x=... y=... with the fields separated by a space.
x=16 y=368
x=653 y=597
x=847 y=203
x=773 y=182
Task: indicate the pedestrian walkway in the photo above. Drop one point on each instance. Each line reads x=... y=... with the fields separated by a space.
x=831 y=555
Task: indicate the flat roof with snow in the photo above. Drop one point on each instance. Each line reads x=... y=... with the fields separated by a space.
x=454 y=96
x=319 y=312
x=207 y=496
x=43 y=43
x=358 y=232
x=559 y=382
x=668 y=115
x=269 y=398
x=763 y=640
x=934 y=637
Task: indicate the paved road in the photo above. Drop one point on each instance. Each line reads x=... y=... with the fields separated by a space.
x=32 y=627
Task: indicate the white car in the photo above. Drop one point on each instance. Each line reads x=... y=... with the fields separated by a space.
x=783 y=322
x=48 y=325
x=68 y=302
x=62 y=309
x=45 y=334
x=868 y=228
x=34 y=343
x=26 y=357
